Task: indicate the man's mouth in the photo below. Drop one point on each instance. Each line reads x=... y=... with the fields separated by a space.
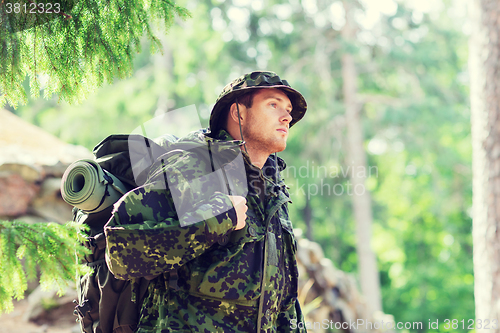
x=283 y=130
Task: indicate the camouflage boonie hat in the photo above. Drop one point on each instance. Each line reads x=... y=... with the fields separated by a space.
x=256 y=80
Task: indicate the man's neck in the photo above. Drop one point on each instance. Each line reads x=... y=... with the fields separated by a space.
x=257 y=157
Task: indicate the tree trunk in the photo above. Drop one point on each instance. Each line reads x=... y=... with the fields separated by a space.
x=484 y=68
x=367 y=263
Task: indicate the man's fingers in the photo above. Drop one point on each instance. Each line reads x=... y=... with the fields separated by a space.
x=241 y=208
x=237 y=200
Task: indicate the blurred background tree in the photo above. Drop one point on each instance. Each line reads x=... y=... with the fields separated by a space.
x=412 y=93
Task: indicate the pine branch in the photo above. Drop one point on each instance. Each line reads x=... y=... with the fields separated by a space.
x=25 y=249
x=79 y=47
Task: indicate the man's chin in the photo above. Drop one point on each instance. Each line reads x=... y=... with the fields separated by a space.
x=279 y=148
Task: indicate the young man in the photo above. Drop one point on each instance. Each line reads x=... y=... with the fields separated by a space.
x=229 y=270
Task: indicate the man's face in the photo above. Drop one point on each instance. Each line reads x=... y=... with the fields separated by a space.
x=266 y=128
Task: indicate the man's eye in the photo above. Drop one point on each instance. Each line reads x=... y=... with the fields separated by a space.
x=274 y=105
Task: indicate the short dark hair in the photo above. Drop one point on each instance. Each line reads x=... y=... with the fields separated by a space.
x=245 y=99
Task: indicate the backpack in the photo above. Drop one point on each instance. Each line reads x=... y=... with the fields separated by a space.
x=106 y=304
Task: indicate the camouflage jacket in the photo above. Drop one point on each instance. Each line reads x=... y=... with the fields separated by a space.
x=207 y=277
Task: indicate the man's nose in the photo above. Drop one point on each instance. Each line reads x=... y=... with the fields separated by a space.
x=287 y=117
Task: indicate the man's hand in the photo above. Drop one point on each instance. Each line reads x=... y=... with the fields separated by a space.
x=240 y=205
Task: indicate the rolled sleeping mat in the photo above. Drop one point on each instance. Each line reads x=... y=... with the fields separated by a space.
x=89 y=187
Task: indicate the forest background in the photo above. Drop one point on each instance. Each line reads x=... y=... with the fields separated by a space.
x=412 y=80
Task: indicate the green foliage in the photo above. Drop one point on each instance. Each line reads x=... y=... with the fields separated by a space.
x=26 y=250
x=75 y=52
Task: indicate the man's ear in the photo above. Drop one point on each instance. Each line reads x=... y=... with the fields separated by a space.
x=233 y=113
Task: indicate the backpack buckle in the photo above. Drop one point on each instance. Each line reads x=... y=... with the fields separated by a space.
x=82 y=309
x=92 y=242
x=98 y=241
